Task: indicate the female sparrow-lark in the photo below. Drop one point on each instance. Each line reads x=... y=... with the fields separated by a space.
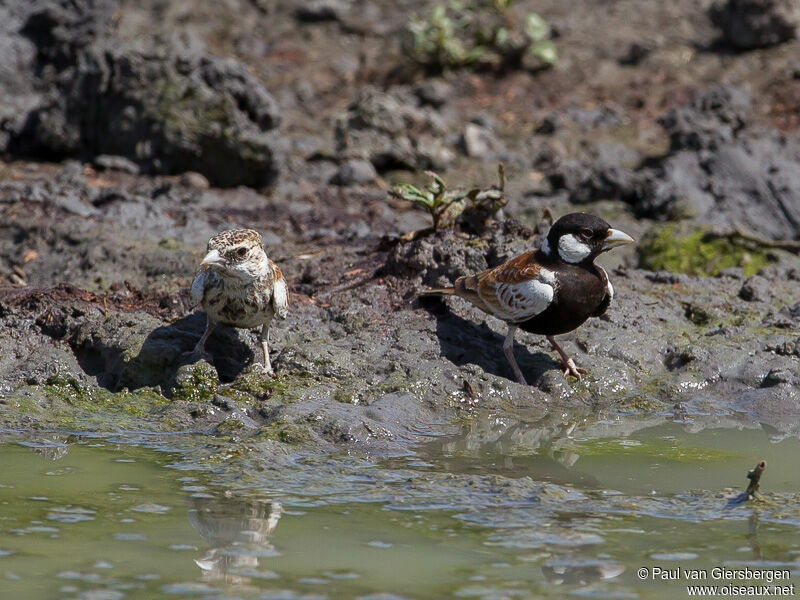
x=239 y=286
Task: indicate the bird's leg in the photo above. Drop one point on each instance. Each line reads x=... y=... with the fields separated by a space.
x=508 y=349
x=200 y=347
x=264 y=337
x=569 y=365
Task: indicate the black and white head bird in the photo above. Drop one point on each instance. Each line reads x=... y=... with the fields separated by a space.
x=549 y=291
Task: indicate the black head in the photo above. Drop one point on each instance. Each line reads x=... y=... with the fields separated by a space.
x=580 y=237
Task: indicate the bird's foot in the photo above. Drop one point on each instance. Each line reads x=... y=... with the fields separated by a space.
x=570 y=368
x=264 y=370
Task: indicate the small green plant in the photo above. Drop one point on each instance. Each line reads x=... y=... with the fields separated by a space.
x=474 y=209
x=538 y=32
x=476 y=33
x=443 y=207
x=434 y=41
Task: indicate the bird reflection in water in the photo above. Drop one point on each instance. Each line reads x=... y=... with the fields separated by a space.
x=237 y=532
x=51 y=447
x=580 y=572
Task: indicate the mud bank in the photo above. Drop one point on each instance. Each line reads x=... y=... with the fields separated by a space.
x=100 y=234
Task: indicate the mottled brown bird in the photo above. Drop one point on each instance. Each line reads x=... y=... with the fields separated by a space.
x=549 y=291
x=239 y=286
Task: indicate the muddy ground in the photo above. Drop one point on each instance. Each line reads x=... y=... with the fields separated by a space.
x=132 y=132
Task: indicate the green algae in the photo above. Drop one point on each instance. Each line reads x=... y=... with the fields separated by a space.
x=72 y=393
x=170 y=243
x=352 y=391
x=285 y=388
x=196 y=383
x=695 y=253
x=285 y=432
x=649 y=448
x=697 y=314
x=230 y=427
x=66 y=402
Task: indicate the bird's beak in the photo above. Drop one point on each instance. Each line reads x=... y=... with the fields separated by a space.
x=213 y=259
x=615 y=238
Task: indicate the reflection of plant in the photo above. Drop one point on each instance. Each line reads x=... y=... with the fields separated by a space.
x=473 y=209
x=457 y=35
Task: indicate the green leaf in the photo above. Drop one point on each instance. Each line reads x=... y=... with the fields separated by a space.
x=545 y=51
x=501 y=36
x=536 y=28
x=410 y=193
x=438 y=13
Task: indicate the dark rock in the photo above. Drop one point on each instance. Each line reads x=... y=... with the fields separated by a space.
x=788 y=317
x=195 y=180
x=434 y=92
x=666 y=277
x=548 y=125
x=606 y=174
x=391 y=131
x=317 y=11
x=116 y=163
x=748 y=24
x=736 y=273
x=355 y=171
x=437 y=260
x=784 y=346
x=755 y=289
x=636 y=53
x=778 y=377
x=712 y=117
x=697 y=313
x=721 y=171
x=586 y=183
x=478 y=141
x=68 y=190
x=440 y=258
x=677 y=358
x=163 y=109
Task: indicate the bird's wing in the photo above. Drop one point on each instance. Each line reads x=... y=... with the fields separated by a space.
x=606 y=302
x=280 y=293
x=198 y=289
x=514 y=291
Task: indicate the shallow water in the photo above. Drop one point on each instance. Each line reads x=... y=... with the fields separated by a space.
x=500 y=510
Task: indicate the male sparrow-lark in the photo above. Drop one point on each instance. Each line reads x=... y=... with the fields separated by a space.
x=549 y=291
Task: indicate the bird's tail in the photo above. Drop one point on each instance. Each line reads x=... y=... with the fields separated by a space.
x=436 y=292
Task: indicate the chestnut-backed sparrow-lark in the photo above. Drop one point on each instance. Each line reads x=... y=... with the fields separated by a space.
x=549 y=291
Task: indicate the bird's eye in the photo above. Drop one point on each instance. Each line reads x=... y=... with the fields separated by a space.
x=240 y=252
x=586 y=233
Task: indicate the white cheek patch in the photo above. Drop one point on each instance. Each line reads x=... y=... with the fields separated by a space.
x=571 y=250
